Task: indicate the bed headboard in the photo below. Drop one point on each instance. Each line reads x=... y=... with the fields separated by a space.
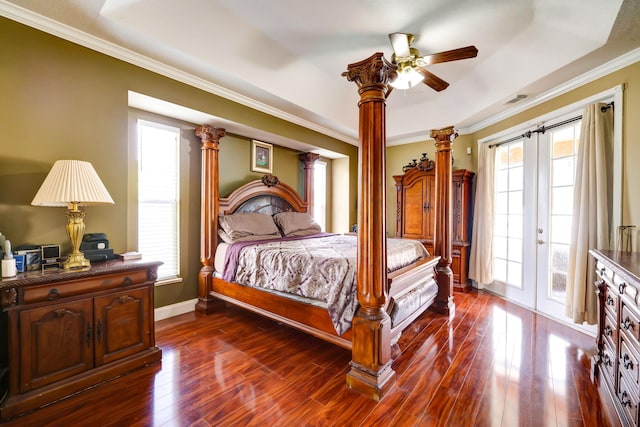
x=267 y=195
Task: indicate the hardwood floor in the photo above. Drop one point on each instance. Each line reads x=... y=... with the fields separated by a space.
x=494 y=364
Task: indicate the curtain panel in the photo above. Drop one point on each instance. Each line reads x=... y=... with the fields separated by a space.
x=481 y=258
x=590 y=226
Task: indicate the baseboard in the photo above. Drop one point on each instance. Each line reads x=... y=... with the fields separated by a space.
x=176 y=309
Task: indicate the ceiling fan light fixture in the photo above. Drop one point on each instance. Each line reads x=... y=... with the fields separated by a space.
x=407 y=77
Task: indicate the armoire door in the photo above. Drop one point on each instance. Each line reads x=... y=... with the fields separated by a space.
x=419 y=221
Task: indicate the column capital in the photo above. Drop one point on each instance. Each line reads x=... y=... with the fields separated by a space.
x=308 y=158
x=210 y=136
x=373 y=73
x=445 y=135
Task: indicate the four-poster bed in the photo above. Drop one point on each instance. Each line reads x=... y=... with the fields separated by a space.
x=387 y=301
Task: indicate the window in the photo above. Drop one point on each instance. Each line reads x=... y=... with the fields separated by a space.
x=320 y=194
x=159 y=196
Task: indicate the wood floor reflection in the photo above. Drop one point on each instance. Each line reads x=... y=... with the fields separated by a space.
x=494 y=364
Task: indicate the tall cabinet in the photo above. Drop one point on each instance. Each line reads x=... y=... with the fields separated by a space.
x=416 y=212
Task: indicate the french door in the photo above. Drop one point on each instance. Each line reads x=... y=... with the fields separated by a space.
x=533 y=203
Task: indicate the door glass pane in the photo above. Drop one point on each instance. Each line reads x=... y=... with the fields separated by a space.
x=562 y=200
x=515 y=226
x=500 y=247
x=563 y=172
x=500 y=203
x=559 y=257
x=561 y=229
x=502 y=179
x=500 y=270
x=508 y=212
x=515 y=201
x=515 y=178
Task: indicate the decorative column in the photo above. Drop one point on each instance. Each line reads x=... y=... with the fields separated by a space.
x=209 y=196
x=442 y=245
x=371 y=372
x=309 y=160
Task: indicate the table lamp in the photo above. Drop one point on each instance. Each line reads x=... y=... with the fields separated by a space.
x=73 y=183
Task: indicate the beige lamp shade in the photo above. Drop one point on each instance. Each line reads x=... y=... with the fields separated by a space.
x=72 y=182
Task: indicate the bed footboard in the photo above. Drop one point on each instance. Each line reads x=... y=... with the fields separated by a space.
x=411 y=291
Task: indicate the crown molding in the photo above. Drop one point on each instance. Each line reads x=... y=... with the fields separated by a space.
x=66 y=32
x=591 y=75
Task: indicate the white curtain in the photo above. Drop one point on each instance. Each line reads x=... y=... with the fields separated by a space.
x=590 y=229
x=481 y=258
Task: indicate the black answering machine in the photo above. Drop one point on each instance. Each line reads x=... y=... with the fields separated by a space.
x=95 y=247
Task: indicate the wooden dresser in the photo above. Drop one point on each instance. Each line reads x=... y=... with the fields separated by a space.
x=63 y=332
x=416 y=213
x=616 y=363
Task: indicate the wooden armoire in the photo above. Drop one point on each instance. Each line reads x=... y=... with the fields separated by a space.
x=416 y=213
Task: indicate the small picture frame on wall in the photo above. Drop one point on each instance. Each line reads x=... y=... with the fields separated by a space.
x=261 y=157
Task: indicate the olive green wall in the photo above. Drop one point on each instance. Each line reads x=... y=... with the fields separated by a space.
x=64 y=101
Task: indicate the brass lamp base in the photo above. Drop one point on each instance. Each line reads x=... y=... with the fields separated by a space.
x=75 y=231
x=76 y=261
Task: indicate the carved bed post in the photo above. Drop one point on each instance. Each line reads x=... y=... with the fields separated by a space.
x=371 y=372
x=210 y=138
x=309 y=160
x=442 y=245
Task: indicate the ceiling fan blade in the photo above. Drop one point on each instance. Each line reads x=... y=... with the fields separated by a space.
x=400 y=43
x=450 y=55
x=433 y=81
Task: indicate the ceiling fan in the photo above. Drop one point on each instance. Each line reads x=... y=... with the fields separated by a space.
x=410 y=64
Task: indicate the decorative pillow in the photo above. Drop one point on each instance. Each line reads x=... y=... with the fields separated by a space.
x=247 y=226
x=296 y=224
x=227 y=239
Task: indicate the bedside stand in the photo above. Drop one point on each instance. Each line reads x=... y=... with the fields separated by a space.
x=62 y=332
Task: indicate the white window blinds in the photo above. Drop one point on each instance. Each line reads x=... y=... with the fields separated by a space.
x=320 y=194
x=159 y=196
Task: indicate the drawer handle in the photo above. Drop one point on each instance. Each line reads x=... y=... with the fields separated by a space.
x=99 y=332
x=621 y=288
x=606 y=360
x=624 y=399
x=610 y=300
x=127 y=281
x=53 y=294
x=626 y=361
x=627 y=324
x=608 y=330
x=88 y=334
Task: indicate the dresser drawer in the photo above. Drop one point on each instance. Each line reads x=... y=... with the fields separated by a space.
x=609 y=365
x=610 y=331
x=628 y=363
x=628 y=398
x=611 y=301
x=54 y=291
x=604 y=272
x=629 y=325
